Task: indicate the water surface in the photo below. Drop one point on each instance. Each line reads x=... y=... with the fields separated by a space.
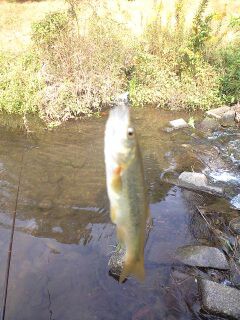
x=64 y=237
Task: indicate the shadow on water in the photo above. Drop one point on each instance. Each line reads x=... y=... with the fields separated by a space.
x=63 y=237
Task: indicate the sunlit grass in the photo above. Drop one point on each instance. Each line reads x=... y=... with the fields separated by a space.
x=16 y=19
x=139 y=13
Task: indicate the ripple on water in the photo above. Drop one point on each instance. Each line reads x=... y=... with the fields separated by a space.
x=225 y=176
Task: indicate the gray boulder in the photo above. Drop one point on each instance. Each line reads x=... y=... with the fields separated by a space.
x=220 y=299
x=178 y=123
x=202 y=256
x=198 y=181
x=218 y=112
x=208 y=124
x=228 y=118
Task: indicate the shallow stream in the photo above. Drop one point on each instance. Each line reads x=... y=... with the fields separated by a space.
x=63 y=236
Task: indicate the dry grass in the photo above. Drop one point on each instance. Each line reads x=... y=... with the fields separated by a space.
x=16 y=20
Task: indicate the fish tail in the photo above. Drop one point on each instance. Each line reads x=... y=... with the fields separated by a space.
x=133 y=266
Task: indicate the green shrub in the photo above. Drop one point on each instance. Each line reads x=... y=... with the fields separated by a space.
x=201 y=28
x=50 y=29
x=19 y=83
x=154 y=82
x=174 y=72
x=87 y=70
x=230 y=78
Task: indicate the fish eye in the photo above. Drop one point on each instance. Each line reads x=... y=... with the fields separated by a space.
x=130 y=132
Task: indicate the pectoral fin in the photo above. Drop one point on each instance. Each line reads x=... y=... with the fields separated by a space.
x=113 y=214
x=117 y=180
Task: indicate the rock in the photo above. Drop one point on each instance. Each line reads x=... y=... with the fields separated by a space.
x=228 y=118
x=236 y=107
x=218 y=112
x=235 y=225
x=198 y=181
x=237 y=117
x=115 y=262
x=202 y=256
x=227 y=115
x=235 y=273
x=179 y=276
x=210 y=156
x=220 y=299
x=178 y=123
x=208 y=124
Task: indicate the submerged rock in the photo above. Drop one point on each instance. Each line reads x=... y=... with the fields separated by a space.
x=208 y=124
x=235 y=225
x=202 y=256
x=178 y=123
x=220 y=299
x=115 y=262
x=198 y=181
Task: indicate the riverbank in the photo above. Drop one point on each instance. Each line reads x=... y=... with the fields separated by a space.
x=71 y=61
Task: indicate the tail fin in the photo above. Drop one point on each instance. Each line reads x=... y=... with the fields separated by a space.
x=134 y=267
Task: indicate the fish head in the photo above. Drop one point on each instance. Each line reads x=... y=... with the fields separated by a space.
x=120 y=137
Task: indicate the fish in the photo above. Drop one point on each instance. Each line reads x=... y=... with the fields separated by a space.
x=129 y=209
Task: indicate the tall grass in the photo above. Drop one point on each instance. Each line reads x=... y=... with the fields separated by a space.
x=171 y=54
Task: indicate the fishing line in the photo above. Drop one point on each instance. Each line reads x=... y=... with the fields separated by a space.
x=5 y=292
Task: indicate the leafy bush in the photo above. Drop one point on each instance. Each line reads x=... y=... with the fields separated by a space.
x=87 y=71
x=174 y=71
x=230 y=78
x=50 y=29
x=154 y=82
x=19 y=83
